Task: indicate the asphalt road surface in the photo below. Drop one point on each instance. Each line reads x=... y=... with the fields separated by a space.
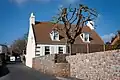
x=21 y=72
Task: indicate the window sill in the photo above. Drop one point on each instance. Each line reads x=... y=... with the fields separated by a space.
x=86 y=41
x=55 y=40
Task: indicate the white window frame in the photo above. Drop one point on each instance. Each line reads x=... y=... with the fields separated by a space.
x=83 y=35
x=53 y=34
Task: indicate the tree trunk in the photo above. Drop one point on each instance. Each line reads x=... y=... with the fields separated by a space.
x=69 y=48
x=69 y=45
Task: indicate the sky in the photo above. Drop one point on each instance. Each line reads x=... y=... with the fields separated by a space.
x=14 y=16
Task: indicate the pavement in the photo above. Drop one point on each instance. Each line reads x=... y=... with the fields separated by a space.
x=22 y=72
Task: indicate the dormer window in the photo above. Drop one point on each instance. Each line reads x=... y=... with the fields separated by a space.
x=54 y=35
x=85 y=37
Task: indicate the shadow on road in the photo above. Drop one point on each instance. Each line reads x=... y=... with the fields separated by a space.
x=3 y=71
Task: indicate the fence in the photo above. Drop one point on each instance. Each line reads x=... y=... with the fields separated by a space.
x=90 y=48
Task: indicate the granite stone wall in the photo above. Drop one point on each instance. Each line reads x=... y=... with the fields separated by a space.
x=95 y=66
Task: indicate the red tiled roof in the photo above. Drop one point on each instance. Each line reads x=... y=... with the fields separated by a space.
x=42 y=34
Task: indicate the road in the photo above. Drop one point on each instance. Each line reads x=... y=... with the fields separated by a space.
x=21 y=72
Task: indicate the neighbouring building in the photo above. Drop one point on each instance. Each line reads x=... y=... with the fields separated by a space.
x=43 y=39
x=115 y=39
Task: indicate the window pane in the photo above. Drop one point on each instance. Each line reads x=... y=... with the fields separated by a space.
x=55 y=36
x=86 y=37
x=47 y=48
x=37 y=49
x=37 y=54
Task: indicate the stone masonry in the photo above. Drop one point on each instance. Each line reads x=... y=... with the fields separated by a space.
x=47 y=65
x=95 y=66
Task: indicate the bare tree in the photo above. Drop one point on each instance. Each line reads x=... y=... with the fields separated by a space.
x=19 y=45
x=78 y=16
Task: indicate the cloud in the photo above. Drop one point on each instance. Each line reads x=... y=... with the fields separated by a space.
x=23 y=1
x=108 y=37
x=43 y=0
x=99 y=17
x=18 y=1
x=72 y=1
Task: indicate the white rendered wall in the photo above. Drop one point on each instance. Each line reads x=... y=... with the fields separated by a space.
x=3 y=49
x=30 y=51
x=91 y=25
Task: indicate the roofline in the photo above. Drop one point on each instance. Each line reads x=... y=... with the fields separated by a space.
x=3 y=45
x=66 y=44
x=34 y=32
x=51 y=43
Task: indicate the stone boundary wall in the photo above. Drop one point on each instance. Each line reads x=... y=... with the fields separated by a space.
x=47 y=65
x=95 y=66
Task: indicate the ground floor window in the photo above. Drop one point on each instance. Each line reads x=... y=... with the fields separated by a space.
x=60 y=49
x=37 y=51
x=47 y=50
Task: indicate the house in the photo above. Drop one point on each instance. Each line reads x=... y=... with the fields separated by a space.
x=115 y=39
x=43 y=39
x=3 y=53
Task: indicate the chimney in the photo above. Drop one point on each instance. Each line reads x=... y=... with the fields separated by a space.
x=32 y=19
x=90 y=24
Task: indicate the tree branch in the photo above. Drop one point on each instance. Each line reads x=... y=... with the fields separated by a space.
x=73 y=14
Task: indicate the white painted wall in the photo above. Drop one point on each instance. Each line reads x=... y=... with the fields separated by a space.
x=53 y=49
x=3 y=49
x=30 y=51
x=0 y=49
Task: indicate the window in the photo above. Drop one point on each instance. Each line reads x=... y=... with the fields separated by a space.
x=60 y=49
x=54 y=35
x=85 y=37
x=47 y=50
x=37 y=51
